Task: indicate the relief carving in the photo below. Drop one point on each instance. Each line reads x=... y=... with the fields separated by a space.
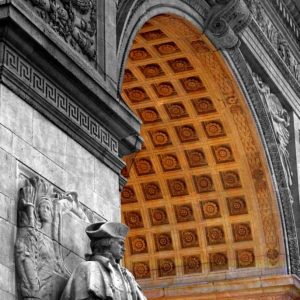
x=74 y=20
x=40 y=266
x=281 y=122
x=141 y=270
x=275 y=37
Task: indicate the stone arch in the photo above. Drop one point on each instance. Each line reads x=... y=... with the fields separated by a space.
x=133 y=14
x=242 y=74
x=246 y=81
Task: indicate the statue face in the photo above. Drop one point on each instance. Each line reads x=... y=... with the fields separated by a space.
x=45 y=212
x=117 y=248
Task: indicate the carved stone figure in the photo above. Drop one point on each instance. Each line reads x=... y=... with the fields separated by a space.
x=281 y=122
x=101 y=277
x=40 y=267
x=73 y=20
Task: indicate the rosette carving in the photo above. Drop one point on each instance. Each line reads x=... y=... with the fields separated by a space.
x=215 y=235
x=176 y=110
x=192 y=84
x=167 y=48
x=133 y=219
x=169 y=162
x=164 y=89
x=200 y=46
x=149 y=115
x=138 y=244
x=184 y=213
x=144 y=166
x=203 y=183
x=203 y=105
x=192 y=264
x=153 y=35
x=245 y=258
x=210 y=209
x=223 y=153
x=128 y=195
x=177 y=187
x=241 y=232
x=151 y=70
x=189 y=238
x=214 y=129
x=141 y=270
x=163 y=241
x=160 y=138
x=218 y=261
x=137 y=94
x=237 y=206
x=166 y=267
x=151 y=190
x=139 y=54
x=180 y=65
x=158 y=216
x=231 y=179
x=196 y=158
x=128 y=76
x=186 y=133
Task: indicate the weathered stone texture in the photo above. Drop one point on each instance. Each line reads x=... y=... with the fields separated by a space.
x=29 y=141
x=40 y=145
x=49 y=140
x=16 y=115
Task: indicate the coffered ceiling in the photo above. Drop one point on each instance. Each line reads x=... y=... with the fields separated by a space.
x=199 y=200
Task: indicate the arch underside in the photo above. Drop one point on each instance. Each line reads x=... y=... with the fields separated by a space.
x=199 y=199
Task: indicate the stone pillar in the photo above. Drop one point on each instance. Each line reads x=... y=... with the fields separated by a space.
x=60 y=123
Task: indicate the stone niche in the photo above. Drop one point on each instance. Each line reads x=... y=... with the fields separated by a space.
x=51 y=237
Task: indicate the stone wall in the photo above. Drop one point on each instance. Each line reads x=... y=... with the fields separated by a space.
x=28 y=141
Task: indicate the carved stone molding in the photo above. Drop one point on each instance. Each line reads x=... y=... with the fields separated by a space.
x=38 y=66
x=225 y=20
x=276 y=37
x=265 y=125
x=58 y=99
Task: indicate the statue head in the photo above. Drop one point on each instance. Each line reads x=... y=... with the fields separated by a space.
x=44 y=210
x=108 y=238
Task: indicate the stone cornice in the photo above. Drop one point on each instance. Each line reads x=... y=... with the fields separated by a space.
x=39 y=70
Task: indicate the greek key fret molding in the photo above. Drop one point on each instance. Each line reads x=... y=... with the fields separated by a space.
x=58 y=99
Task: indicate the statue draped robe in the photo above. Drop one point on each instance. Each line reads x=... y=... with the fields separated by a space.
x=96 y=279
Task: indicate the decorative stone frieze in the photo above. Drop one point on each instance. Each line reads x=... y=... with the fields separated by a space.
x=74 y=20
x=276 y=37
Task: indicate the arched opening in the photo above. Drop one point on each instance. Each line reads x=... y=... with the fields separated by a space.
x=199 y=198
